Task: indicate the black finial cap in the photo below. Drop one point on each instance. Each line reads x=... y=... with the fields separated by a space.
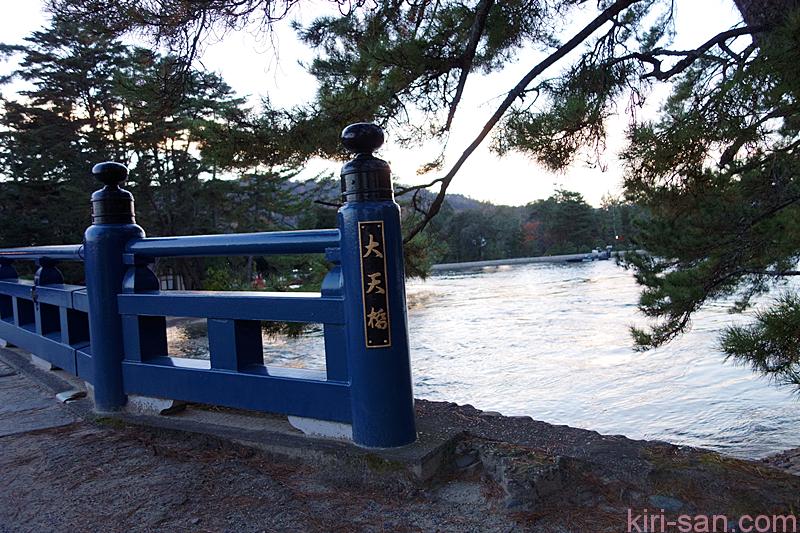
x=110 y=173
x=362 y=137
x=365 y=178
x=112 y=205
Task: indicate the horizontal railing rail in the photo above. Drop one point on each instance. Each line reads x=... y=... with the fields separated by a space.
x=266 y=243
x=66 y=252
x=190 y=380
x=60 y=294
x=241 y=305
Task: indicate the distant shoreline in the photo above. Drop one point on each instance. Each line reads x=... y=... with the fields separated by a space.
x=514 y=261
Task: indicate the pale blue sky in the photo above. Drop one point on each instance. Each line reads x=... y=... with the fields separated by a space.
x=254 y=67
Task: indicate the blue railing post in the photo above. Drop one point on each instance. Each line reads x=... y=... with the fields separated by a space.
x=374 y=286
x=113 y=225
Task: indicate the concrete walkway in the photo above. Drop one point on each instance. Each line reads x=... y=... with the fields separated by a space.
x=64 y=469
x=26 y=406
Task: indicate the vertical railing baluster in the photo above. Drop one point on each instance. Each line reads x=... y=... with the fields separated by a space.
x=234 y=344
x=375 y=303
x=7 y=273
x=335 y=334
x=145 y=337
x=7 y=270
x=74 y=327
x=48 y=319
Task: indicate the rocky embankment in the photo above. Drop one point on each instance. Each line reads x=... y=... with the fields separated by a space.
x=577 y=480
x=788 y=461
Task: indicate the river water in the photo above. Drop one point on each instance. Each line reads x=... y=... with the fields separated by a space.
x=551 y=341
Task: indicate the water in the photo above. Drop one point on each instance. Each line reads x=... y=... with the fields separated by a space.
x=551 y=341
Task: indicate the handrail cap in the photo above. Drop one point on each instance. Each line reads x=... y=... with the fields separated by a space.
x=362 y=137
x=110 y=172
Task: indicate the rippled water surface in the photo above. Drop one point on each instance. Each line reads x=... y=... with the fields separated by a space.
x=552 y=342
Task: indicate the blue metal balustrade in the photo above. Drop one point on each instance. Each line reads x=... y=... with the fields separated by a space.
x=113 y=334
x=46 y=316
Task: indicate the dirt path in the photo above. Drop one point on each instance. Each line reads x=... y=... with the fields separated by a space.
x=505 y=474
x=82 y=477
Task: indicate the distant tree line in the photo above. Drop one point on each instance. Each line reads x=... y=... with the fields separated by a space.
x=562 y=224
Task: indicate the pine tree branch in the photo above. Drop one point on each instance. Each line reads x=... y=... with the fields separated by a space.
x=776 y=273
x=689 y=56
x=693 y=55
x=612 y=11
x=481 y=13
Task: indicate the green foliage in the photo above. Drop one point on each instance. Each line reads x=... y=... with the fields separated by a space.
x=420 y=254
x=490 y=232
x=564 y=223
x=561 y=224
x=567 y=116
x=222 y=276
x=769 y=345
x=379 y=63
x=581 y=102
x=718 y=173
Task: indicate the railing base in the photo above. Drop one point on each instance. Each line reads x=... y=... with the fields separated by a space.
x=145 y=405
x=44 y=364
x=272 y=433
x=70 y=395
x=312 y=427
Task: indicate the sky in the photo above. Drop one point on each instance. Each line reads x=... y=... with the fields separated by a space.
x=255 y=66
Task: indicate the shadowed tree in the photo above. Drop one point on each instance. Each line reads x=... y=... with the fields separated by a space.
x=89 y=98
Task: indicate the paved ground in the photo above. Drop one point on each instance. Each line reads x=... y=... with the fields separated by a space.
x=61 y=472
x=25 y=406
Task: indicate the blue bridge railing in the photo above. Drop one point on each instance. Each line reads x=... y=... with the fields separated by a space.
x=112 y=332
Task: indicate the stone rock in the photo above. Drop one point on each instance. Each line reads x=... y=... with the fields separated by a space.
x=145 y=405
x=669 y=504
x=788 y=461
x=70 y=395
x=322 y=428
x=43 y=364
x=466 y=460
x=6 y=371
x=525 y=476
x=461 y=492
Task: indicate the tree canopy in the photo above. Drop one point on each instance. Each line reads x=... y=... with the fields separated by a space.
x=87 y=98
x=716 y=169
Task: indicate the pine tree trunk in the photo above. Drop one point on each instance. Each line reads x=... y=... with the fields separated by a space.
x=765 y=12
